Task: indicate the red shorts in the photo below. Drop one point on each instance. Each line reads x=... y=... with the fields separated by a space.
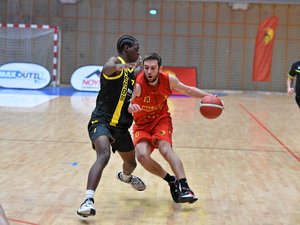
x=160 y=129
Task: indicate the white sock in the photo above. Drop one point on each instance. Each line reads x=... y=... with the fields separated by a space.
x=125 y=177
x=89 y=194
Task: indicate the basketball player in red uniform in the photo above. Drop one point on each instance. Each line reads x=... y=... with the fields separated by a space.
x=153 y=124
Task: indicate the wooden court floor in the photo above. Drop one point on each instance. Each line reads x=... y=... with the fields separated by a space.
x=243 y=166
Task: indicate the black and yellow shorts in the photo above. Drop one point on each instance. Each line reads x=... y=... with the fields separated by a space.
x=120 y=138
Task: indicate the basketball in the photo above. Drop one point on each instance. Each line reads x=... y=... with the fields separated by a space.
x=211 y=106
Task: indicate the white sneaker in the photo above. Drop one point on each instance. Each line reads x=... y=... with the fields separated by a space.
x=134 y=181
x=87 y=208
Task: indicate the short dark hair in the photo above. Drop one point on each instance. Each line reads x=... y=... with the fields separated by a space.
x=153 y=56
x=125 y=40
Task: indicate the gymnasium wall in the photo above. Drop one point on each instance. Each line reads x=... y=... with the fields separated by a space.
x=214 y=38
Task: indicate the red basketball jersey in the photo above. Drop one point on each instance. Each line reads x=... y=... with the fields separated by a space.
x=153 y=99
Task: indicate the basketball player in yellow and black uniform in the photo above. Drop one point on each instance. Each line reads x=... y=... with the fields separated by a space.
x=110 y=121
x=292 y=75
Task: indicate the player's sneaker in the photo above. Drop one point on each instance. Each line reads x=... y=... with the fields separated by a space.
x=134 y=181
x=87 y=208
x=174 y=190
x=187 y=195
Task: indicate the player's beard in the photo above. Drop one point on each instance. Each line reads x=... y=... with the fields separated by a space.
x=153 y=81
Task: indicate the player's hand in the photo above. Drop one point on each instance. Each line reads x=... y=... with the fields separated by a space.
x=139 y=61
x=138 y=65
x=290 y=91
x=132 y=108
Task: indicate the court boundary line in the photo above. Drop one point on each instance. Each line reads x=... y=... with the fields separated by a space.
x=269 y=132
x=21 y=221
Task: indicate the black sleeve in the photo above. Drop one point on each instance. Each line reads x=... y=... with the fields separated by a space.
x=295 y=69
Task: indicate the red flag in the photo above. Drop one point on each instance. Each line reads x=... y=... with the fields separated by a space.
x=263 y=49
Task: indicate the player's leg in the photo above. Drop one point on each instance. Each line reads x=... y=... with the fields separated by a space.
x=163 y=136
x=172 y=158
x=186 y=195
x=102 y=147
x=143 y=153
x=129 y=164
x=124 y=145
x=100 y=137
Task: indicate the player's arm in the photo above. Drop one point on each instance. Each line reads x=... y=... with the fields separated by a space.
x=132 y=108
x=289 y=83
x=176 y=84
x=138 y=66
x=113 y=65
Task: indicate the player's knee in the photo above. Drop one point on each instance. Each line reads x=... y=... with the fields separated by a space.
x=103 y=156
x=167 y=151
x=103 y=159
x=142 y=157
x=142 y=152
x=297 y=98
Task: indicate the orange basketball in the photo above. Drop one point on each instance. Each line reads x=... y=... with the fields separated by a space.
x=211 y=106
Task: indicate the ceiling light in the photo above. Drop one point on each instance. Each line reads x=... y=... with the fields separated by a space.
x=153 y=11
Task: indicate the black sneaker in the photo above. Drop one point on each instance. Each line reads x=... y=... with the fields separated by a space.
x=187 y=195
x=174 y=190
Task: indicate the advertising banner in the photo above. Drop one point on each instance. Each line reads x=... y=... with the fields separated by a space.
x=86 y=78
x=24 y=75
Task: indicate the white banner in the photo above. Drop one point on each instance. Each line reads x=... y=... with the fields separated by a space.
x=24 y=75
x=86 y=78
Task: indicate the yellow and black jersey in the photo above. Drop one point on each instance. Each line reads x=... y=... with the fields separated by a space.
x=295 y=73
x=114 y=97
